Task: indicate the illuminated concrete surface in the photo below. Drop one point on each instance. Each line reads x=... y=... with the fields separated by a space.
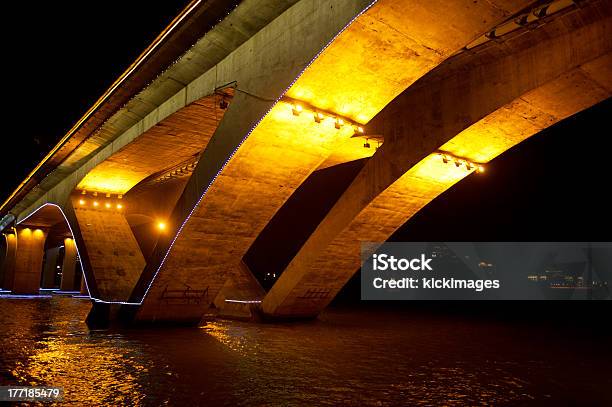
x=110 y=251
x=177 y=138
x=28 y=261
x=476 y=106
x=152 y=202
x=284 y=148
x=8 y=263
x=68 y=266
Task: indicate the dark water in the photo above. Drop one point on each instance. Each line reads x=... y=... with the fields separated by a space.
x=348 y=357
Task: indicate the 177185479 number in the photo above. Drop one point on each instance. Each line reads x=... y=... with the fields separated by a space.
x=26 y=393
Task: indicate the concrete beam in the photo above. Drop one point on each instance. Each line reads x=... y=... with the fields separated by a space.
x=476 y=105
x=176 y=138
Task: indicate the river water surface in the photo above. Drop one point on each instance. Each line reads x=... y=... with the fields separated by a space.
x=347 y=357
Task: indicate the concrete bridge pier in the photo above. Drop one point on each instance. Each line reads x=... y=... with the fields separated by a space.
x=240 y=295
x=110 y=254
x=8 y=261
x=109 y=249
x=50 y=267
x=69 y=266
x=83 y=287
x=24 y=276
x=104 y=315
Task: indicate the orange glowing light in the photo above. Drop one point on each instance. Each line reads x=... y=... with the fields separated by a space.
x=81 y=202
x=108 y=205
x=95 y=203
x=119 y=206
x=161 y=225
x=297 y=109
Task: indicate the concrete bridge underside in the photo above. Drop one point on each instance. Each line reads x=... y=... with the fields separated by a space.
x=219 y=152
x=381 y=53
x=27 y=246
x=113 y=253
x=475 y=106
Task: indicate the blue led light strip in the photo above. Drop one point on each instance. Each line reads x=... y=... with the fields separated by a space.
x=77 y=250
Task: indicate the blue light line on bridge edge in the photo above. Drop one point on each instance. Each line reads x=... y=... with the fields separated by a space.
x=78 y=253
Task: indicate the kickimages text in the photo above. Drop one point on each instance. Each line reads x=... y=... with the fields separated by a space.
x=385 y=262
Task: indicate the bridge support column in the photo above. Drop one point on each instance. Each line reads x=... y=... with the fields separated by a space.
x=109 y=250
x=240 y=295
x=8 y=263
x=27 y=268
x=103 y=316
x=83 y=285
x=50 y=267
x=68 y=265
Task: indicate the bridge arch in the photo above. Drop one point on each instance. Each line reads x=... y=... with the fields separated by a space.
x=38 y=235
x=259 y=151
x=467 y=111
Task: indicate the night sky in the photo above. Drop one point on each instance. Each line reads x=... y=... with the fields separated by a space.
x=62 y=58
